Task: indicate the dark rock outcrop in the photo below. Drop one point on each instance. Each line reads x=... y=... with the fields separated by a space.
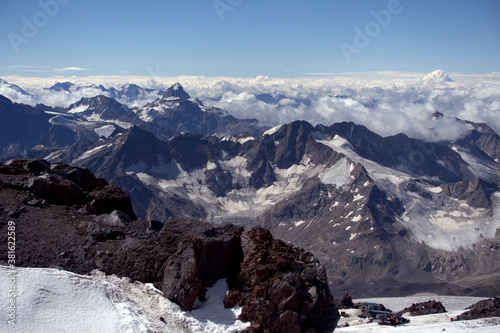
x=62 y=184
x=281 y=288
x=482 y=309
x=473 y=192
x=424 y=308
x=109 y=198
x=346 y=302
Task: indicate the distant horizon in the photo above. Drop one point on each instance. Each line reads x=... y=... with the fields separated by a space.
x=368 y=75
x=387 y=103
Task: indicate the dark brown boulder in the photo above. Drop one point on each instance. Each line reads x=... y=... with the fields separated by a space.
x=82 y=177
x=30 y=166
x=201 y=259
x=424 y=308
x=281 y=288
x=56 y=190
x=11 y=170
x=346 y=302
x=181 y=279
x=109 y=198
x=482 y=309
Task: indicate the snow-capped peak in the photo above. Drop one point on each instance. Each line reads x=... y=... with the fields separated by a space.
x=176 y=91
x=438 y=75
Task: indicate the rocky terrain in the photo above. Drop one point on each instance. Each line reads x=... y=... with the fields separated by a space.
x=482 y=309
x=424 y=308
x=67 y=218
x=358 y=201
x=386 y=215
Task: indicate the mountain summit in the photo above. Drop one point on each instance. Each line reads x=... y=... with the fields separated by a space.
x=176 y=91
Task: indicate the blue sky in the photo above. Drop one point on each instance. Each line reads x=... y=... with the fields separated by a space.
x=281 y=38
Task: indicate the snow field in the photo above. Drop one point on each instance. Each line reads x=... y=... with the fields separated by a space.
x=51 y=300
x=433 y=323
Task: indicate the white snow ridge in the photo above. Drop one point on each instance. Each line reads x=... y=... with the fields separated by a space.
x=50 y=300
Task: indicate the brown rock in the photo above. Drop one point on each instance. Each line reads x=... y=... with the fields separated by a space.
x=181 y=281
x=231 y=299
x=56 y=190
x=287 y=322
x=109 y=198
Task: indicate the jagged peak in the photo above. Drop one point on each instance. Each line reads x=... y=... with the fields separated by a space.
x=61 y=86
x=176 y=90
x=96 y=101
x=437 y=115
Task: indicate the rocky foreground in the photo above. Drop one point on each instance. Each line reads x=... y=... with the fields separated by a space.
x=67 y=218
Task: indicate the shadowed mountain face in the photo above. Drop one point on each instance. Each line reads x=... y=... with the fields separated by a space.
x=23 y=127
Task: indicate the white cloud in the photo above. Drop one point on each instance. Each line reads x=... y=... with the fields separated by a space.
x=43 y=69
x=386 y=102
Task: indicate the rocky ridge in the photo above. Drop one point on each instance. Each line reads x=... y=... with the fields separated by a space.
x=280 y=287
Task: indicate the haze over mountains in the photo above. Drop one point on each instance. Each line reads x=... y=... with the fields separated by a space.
x=415 y=212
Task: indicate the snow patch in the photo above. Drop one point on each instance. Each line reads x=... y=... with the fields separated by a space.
x=480 y=167
x=357 y=197
x=90 y=152
x=273 y=130
x=299 y=223
x=79 y=109
x=105 y=131
x=50 y=300
x=338 y=174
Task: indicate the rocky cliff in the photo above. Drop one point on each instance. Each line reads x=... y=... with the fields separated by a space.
x=67 y=218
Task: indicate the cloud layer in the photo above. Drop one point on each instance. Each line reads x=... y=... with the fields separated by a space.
x=386 y=102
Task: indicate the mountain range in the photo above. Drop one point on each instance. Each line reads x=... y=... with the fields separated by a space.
x=386 y=215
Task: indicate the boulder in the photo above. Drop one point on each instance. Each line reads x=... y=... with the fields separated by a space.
x=482 y=309
x=82 y=177
x=116 y=219
x=11 y=170
x=181 y=279
x=56 y=190
x=346 y=302
x=30 y=166
x=199 y=262
x=424 y=308
x=109 y=198
x=281 y=288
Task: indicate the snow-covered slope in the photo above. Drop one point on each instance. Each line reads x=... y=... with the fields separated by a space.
x=50 y=300
x=433 y=323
